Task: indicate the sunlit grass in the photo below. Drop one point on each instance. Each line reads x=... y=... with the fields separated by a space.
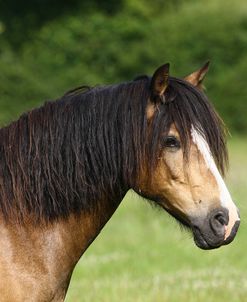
x=142 y=255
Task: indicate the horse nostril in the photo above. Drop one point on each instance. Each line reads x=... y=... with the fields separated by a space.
x=221 y=218
x=218 y=221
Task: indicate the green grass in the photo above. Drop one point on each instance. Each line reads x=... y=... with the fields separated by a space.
x=142 y=255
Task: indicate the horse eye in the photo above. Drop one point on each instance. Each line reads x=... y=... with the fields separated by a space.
x=171 y=142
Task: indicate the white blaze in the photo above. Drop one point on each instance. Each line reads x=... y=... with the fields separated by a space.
x=225 y=197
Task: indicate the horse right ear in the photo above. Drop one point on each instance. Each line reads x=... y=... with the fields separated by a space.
x=159 y=83
x=196 y=78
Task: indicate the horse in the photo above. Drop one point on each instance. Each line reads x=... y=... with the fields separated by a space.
x=66 y=166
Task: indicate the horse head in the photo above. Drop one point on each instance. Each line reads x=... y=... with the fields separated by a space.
x=186 y=176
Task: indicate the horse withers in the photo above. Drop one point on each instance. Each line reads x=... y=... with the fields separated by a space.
x=66 y=166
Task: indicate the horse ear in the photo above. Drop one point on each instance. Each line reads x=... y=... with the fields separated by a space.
x=159 y=82
x=196 y=78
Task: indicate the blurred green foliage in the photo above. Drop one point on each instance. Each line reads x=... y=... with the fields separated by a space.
x=50 y=46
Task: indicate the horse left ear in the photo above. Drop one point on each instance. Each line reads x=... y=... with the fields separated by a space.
x=159 y=83
x=196 y=78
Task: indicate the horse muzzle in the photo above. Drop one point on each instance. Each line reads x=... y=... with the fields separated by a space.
x=215 y=230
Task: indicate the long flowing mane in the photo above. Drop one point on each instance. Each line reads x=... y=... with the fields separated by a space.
x=66 y=155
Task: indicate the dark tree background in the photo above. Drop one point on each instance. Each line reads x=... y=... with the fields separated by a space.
x=49 y=46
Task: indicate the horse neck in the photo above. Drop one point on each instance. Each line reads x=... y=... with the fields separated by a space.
x=82 y=206
x=79 y=231
x=68 y=239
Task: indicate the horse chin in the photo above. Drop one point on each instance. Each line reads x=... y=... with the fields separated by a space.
x=202 y=242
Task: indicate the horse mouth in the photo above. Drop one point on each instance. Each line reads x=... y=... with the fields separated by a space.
x=207 y=242
x=205 y=237
x=202 y=242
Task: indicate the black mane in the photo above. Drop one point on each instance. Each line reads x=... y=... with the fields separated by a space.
x=66 y=155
